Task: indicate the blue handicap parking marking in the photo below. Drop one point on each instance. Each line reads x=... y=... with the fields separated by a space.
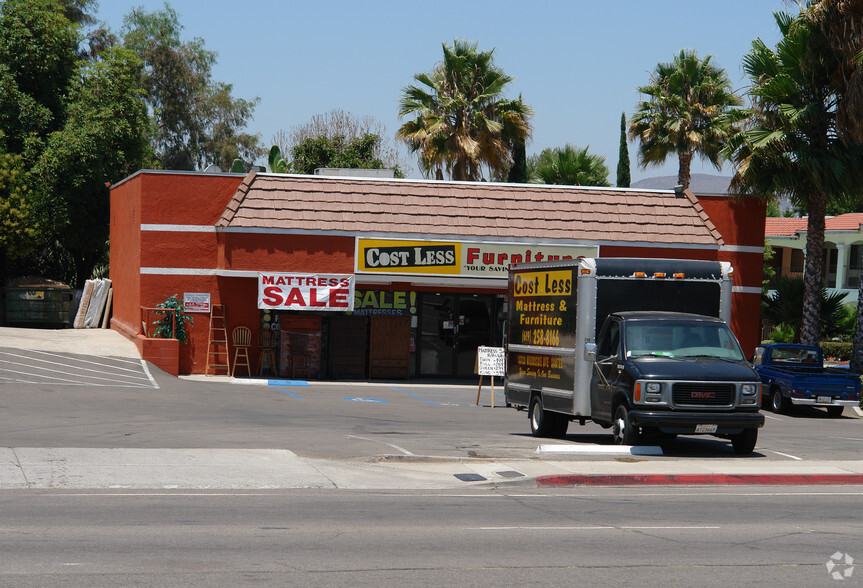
x=281 y=384
x=287 y=383
x=356 y=399
x=447 y=396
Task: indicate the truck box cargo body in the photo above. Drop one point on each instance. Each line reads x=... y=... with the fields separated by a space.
x=558 y=311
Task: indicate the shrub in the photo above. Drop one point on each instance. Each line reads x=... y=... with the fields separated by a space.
x=165 y=325
x=838 y=350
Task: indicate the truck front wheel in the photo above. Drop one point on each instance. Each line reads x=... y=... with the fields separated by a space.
x=744 y=443
x=625 y=433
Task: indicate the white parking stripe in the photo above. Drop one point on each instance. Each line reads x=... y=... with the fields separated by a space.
x=135 y=374
x=794 y=457
x=39 y=367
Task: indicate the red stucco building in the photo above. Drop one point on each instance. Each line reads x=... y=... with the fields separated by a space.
x=397 y=278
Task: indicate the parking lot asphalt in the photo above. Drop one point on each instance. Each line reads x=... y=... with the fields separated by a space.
x=104 y=356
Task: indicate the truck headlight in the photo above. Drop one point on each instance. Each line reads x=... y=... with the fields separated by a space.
x=749 y=389
x=654 y=387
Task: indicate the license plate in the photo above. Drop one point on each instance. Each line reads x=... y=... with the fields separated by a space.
x=824 y=400
x=706 y=428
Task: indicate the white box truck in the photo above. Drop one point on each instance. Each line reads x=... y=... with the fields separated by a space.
x=639 y=346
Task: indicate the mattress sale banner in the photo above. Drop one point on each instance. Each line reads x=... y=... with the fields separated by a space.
x=309 y=292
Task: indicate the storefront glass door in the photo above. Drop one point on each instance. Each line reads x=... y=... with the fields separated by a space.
x=452 y=327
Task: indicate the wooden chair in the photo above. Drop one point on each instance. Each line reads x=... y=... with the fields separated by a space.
x=242 y=338
x=266 y=354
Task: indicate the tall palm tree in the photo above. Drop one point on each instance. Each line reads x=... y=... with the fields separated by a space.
x=792 y=147
x=569 y=166
x=690 y=110
x=462 y=121
x=840 y=22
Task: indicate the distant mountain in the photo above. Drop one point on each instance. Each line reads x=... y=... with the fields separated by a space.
x=699 y=184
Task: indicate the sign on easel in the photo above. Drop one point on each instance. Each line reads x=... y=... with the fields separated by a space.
x=490 y=361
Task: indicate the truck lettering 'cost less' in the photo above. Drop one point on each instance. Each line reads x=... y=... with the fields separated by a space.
x=552 y=283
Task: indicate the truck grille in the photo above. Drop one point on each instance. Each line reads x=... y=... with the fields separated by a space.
x=702 y=394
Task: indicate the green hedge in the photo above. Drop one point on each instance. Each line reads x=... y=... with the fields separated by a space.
x=839 y=350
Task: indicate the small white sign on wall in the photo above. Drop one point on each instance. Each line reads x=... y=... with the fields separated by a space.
x=196 y=302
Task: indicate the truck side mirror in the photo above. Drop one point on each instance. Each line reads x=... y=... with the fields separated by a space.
x=590 y=352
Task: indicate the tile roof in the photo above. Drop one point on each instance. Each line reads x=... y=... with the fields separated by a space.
x=788 y=227
x=476 y=209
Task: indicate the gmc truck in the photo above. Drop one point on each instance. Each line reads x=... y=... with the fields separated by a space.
x=795 y=375
x=638 y=346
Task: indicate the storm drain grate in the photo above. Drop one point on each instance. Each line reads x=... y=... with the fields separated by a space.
x=469 y=477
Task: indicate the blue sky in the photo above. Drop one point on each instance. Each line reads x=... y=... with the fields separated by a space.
x=577 y=63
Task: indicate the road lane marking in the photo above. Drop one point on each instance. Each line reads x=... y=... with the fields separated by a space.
x=396 y=447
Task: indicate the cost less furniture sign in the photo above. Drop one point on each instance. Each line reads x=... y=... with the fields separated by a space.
x=306 y=292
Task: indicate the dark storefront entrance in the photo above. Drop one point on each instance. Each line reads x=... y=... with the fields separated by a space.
x=440 y=340
x=452 y=326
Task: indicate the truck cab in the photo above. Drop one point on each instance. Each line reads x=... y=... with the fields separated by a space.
x=673 y=373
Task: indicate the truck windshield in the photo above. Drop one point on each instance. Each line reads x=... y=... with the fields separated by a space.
x=670 y=338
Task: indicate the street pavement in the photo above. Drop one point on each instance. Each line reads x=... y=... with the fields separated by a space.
x=244 y=468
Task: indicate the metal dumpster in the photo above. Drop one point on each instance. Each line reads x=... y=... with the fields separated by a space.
x=38 y=304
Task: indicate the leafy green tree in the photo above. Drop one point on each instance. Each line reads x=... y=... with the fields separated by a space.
x=197 y=122
x=341 y=127
x=624 y=177
x=105 y=139
x=19 y=230
x=317 y=152
x=793 y=147
x=37 y=62
x=571 y=166
x=690 y=109
x=462 y=121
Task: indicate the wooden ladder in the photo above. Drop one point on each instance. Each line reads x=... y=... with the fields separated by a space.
x=218 y=345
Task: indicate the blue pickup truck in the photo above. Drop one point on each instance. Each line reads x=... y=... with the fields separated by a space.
x=795 y=374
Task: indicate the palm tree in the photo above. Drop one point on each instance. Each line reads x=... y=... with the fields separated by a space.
x=569 y=166
x=792 y=147
x=462 y=121
x=785 y=307
x=841 y=25
x=689 y=110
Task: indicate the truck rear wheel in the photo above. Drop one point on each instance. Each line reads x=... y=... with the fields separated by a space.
x=744 y=443
x=544 y=423
x=778 y=403
x=625 y=433
x=539 y=425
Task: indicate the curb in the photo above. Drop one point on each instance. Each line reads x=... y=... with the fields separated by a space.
x=698 y=480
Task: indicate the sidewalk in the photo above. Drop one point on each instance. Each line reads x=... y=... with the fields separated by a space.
x=36 y=468
x=47 y=468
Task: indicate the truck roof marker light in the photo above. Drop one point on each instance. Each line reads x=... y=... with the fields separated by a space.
x=639 y=275
x=679 y=276
x=659 y=275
